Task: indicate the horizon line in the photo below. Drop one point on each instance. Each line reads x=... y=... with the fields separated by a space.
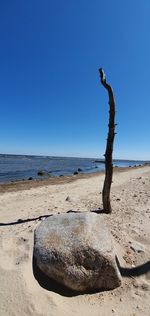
x=55 y=156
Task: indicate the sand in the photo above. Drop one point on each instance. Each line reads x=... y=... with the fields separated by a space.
x=22 y=294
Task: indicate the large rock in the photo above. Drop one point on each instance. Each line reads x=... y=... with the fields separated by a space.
x=76 y=250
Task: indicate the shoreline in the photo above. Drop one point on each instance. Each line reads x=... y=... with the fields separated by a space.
x=19 y=185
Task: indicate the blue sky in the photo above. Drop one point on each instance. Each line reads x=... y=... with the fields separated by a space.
x=51 y=100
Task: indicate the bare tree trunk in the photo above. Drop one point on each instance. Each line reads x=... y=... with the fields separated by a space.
x=109 y=147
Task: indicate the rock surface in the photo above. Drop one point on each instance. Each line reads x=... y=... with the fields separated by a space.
x=76 y=250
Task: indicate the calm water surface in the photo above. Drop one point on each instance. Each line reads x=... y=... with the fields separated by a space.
x=16 y=167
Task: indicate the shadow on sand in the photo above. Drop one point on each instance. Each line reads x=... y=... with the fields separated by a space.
x=99 y=211
x=22 y=221
x=53 y=286
x=134 y=272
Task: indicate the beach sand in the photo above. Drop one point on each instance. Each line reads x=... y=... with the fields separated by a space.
x=22 y=294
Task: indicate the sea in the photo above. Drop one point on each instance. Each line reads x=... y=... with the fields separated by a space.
x=23 y=167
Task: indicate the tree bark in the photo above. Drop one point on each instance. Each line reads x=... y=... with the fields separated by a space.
x=109 y=146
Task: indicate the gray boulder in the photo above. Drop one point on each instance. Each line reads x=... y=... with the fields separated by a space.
x=76 y=250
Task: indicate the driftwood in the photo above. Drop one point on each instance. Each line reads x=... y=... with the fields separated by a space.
x=109 y=146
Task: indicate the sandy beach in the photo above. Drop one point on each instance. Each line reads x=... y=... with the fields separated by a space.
x=24 y=205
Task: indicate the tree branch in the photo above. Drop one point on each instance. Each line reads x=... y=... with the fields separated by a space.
x=109 y=145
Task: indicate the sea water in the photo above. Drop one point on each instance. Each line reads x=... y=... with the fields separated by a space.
x=19 y=167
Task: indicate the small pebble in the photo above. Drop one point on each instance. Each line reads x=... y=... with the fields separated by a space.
x=68 y=199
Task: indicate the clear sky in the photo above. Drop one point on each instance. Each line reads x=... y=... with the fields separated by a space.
x=51 y=100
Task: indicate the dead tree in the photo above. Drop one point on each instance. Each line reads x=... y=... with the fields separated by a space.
x=109 y=146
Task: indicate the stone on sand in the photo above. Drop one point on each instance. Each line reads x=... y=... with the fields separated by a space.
x=76 y=250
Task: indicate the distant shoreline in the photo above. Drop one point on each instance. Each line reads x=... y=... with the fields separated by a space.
x=73 y=157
